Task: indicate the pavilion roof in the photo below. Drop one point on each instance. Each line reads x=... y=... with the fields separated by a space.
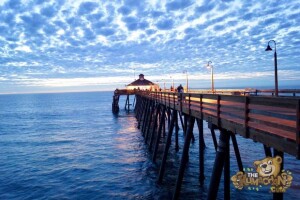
x=140 y=82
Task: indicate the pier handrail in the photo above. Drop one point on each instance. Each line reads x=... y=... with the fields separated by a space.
x=273 y=121
x=247 y=91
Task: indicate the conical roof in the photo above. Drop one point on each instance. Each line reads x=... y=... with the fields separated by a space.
x=141 y=81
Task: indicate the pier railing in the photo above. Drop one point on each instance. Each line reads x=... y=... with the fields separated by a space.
x=272 y=121
x=247 y=91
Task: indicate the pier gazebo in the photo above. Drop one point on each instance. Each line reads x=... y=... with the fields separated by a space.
x=139 y=84
x=142 y=84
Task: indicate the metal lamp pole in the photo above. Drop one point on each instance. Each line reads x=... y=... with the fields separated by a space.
x=172 y=82
x=187 y=80
x=275 y=65
x=212 y=76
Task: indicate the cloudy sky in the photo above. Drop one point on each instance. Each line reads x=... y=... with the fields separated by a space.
x=79 y=45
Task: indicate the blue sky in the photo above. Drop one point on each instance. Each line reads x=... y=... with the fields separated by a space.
x=78 y=45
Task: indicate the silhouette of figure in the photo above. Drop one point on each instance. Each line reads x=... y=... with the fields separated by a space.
x=180 y=89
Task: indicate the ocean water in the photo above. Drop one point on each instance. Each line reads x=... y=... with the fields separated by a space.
x=71 y=146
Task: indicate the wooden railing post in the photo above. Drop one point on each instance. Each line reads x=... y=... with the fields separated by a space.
x=298 y=129
x=189 y=104
x=169 y=99
x=246 y=116
x=201 y=106
x=173 y=100
x=180 y=94
x=218 y=110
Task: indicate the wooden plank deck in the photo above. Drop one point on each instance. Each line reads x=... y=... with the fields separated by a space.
x=273 y=121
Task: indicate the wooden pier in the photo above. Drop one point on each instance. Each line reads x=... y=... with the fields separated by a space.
x=272 y=121
x=116 y=98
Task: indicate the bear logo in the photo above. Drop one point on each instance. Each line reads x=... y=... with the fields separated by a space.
x=268 y=166
x=238 y=180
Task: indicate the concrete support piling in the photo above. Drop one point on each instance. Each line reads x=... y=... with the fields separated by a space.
x=184 y=158
x=176 y=133
x=167 y=146
x=213 y=134
x=278 y=196
x=218 y=164
x=227 y=171
x=161 y=125
x=237 y=152
x=201 y=151
x=150 y=120
x=146 y=115
x=181 y=121
x=141 y=112
x=268 y=151
x=154 y=129
x=127 y=103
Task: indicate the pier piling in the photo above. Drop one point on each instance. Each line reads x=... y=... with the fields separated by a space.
x=154 y=129
x=201 y=151
x=160 y=127
x=272 y=121
x=184 y=157
x=167 y=146
x=220 y=159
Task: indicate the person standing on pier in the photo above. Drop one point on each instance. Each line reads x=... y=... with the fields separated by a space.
x=180 y=91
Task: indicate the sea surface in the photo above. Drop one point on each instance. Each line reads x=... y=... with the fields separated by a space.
x=71 y=146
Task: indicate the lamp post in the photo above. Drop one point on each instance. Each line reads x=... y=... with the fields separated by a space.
x=212 y=75
x=187 y=80
x=275 y=65
x=172 y=82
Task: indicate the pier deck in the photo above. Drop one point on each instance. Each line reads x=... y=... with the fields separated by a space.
x=272 y=121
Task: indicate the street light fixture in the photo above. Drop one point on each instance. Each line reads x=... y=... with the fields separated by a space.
x=275 y=64
x=212 y=75
x=187 y=80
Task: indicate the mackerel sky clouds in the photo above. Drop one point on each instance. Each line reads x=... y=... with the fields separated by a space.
x=78 y=45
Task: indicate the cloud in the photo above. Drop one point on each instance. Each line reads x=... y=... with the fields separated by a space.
x=94 y=18
x=165 y=24
x=89 y=34
x=178 y=4
x=87 y=8
x=131 y=23
x=14 y=4
x=205 y=8
x=50 y=29
x=49 y=11
x=33 y=22
x=156 y=14
x=106 y=31
x=23 y=48
x=133 y=3
x=124 y=10
x=83 y=39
